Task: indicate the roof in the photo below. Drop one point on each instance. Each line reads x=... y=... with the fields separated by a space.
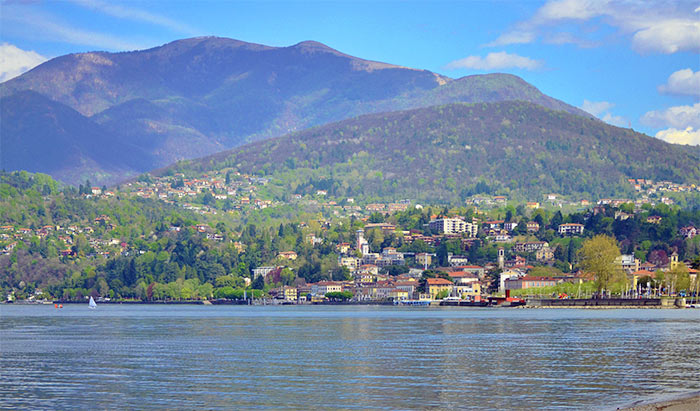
x=644 y=273
x=461 y=274
x=438 y=281
x=532 y=278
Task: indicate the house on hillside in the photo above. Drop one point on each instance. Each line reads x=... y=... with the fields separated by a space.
x=287 y=255
x=571 y=229
x=654 y=219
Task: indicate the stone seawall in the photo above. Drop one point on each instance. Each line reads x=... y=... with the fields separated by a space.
x=597 y=302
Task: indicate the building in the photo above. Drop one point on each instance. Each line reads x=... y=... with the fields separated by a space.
x=287 y=255
x=688 y=232
x=399 y=294
x=530 y=247
x=493 y=224
x=385 y=227
x=526 y=282
x=507 y=275
x=362 y=244
x=424 y=259
x=457 y=260
x=463 y=277
x=325 y=287
x=477 y=270
x=350 y=262
x=628 y=263
x=264 y=271
x=533 y=227
x=343 y=248
x=571 y=229
x=469 y=290
x=544 y=254
x=437 y=285
x=654 y=219
x=453 y=226
x=408 y=286
x=287 y=293
x=392 y=257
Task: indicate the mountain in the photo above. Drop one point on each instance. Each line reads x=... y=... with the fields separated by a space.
x=42 y=135
x=198 y=96
x=451 y=151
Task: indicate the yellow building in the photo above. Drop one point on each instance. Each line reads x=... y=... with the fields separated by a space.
x=437 y=285
x=290 y=293
x=398 y=294
x=423 y=259
x=468 y=290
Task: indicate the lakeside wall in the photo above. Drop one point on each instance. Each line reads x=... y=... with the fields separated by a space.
x=597 y=302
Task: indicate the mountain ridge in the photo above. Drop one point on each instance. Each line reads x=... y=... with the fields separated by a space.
x=193 y=97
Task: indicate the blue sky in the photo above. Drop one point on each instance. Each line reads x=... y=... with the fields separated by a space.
x=629 y=62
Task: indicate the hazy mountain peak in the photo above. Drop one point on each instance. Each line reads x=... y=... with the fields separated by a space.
x=195 y=96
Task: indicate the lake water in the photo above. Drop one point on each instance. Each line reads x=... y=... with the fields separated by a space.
x=348 y=357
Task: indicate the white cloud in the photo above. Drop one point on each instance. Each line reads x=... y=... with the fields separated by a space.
x=15 y=61
x=596 y=107
x=668 y=36
x=38 y=25
x=683 y=82
x=496 y=61
x=687 y=136
x=658 y=26
x=570 y=9
x=513 y=37
x=569 y=38
x=129 y=13
x=618 y=121
x=601 y=109
x=680 y=117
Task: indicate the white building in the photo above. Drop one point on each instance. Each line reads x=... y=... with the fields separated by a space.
x=362 y=244
x=570 y=229
x=264 y=271
x=453 y=226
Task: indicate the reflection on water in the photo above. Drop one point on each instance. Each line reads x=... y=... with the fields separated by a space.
x=345 y=357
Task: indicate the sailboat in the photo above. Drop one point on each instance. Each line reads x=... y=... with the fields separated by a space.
x=92 y=304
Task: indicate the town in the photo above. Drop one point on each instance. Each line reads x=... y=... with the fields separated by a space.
x=380 y=252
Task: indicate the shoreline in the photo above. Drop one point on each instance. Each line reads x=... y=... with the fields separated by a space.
x=374 y=303
x=683 y=402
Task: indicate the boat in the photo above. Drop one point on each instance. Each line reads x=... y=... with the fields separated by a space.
x=92 y=304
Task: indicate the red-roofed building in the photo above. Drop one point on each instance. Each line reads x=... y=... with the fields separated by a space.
x=463 y=277
x=437 y=285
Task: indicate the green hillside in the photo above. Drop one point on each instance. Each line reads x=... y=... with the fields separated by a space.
x=446 y=153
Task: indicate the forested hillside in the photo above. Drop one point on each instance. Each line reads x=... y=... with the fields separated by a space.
x=446 y=153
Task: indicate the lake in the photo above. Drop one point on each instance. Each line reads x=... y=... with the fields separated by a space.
x=348 y=357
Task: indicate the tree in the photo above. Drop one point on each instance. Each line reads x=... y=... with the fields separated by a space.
x=442 y=294
x=677 y=278
x=598 y=256
x=258 y=283
x=556 y=220
x=339 y=295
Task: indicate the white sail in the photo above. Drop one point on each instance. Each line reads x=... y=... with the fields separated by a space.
x=92 y=303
